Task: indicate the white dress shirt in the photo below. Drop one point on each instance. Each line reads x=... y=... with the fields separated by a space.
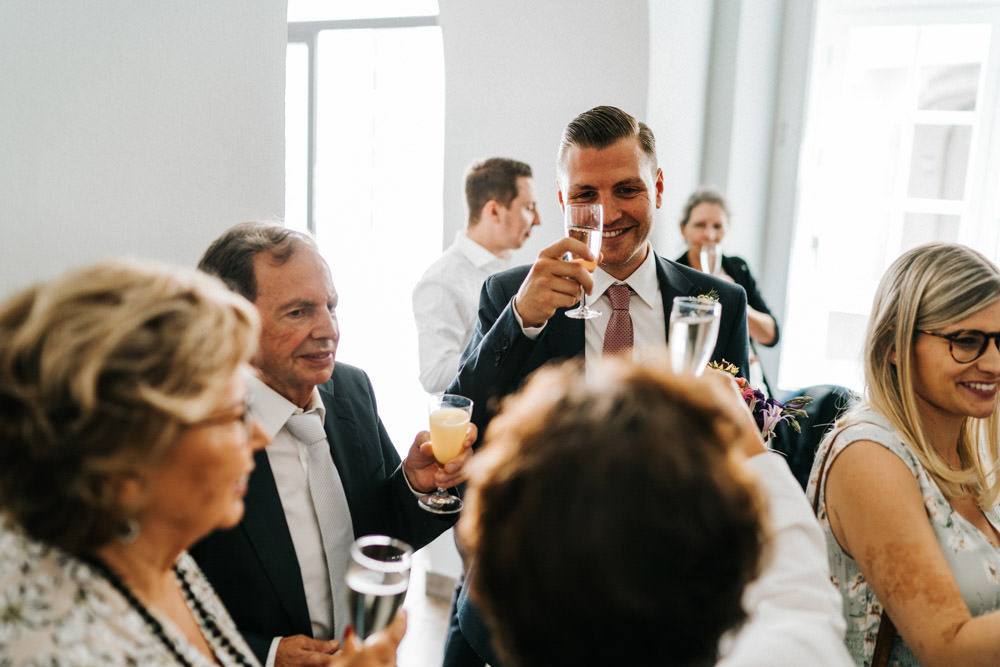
x=649 y=322
x=795 y=611
x=445 y=303
x=289 y=460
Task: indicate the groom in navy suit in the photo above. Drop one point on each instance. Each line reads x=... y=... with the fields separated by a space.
x=280 y=571
x=606 y=157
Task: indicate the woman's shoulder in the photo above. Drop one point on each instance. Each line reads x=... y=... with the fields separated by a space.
x=59 y=611
x=871 y=426
x=735 y=263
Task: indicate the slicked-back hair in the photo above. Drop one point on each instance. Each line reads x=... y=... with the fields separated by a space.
x=230 y=257
x=492 y=179
x=602 y=127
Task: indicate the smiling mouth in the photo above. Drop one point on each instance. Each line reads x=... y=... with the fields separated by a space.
x=614 y=233
x=981 y=386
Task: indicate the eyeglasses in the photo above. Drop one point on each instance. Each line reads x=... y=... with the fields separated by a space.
x=967 y=346
x=246 y=417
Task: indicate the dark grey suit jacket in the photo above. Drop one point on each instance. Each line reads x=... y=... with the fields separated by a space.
x=499 y=356
x=253 y=567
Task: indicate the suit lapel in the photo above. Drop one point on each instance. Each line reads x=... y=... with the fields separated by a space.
x=672 y=284
x=341 y=429
x=564 y=336
x=267 y=530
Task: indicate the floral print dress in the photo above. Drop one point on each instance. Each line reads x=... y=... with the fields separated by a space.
x=973 y=560
x=57 y=610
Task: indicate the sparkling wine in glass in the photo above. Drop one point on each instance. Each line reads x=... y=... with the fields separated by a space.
x=694 y=328
x=449 y=416
x=584 y=222
x=377 y=578
x=710 y=257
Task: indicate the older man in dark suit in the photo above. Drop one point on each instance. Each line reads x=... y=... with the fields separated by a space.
x=331 y=472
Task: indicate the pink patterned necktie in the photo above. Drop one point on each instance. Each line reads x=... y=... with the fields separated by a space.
x=618 y=336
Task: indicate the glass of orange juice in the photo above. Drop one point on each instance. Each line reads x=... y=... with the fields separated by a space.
x=449 y=416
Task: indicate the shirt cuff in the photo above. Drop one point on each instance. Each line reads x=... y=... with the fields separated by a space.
x=272 y=652
x=531 y=332
x=416 y=494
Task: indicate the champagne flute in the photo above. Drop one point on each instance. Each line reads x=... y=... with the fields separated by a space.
x=449 y=417
x=584 y=222
x=377 y=578
x=710 y=257
x=694 y=328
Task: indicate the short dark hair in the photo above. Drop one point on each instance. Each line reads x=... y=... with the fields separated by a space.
x=230 y=257
x=493 y=179
x=611 y=505
x=604 y=126
x=703 y=195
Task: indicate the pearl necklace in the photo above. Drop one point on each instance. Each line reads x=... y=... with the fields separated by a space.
x=205 y=620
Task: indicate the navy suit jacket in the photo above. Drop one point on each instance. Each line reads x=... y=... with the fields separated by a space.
x=253 y=566
x=499 y=358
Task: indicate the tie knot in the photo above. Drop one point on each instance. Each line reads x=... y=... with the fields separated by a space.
x=307 y=427
x=619 y=296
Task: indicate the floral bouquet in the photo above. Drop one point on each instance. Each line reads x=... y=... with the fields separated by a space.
x=767 y=412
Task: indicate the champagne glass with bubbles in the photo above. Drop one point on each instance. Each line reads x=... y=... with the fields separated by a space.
x=377 y=579
x=694 y=328
x=584 y=222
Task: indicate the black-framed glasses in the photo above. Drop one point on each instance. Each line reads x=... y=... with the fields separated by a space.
x=968 y=345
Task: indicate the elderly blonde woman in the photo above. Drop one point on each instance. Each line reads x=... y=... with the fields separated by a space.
x=125 y=437
x=906 y=483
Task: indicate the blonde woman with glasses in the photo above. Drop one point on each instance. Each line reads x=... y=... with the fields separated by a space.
x=905 y=484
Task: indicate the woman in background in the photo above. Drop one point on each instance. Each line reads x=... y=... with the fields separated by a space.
x=905 y=485
x=126 y=436
x=704 y=223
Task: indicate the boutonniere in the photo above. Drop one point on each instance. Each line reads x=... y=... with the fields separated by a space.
x=767 y=412
x=712 y=295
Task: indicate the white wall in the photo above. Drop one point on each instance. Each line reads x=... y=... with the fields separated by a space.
x=517 y=71
x=135 y=127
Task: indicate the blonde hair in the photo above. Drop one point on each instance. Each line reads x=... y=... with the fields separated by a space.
x=99 y=371
x=928 y=288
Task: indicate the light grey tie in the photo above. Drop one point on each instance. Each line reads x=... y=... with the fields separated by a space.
x=332 y=513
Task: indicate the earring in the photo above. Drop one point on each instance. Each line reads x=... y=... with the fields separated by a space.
x=128 y=531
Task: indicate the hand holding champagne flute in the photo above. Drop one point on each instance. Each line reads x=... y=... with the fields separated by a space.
x=585 y=222
x=449 y=421
x=377 y=579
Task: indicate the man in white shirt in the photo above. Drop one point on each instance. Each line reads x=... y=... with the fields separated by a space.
x=331 y=473
x=500 y=196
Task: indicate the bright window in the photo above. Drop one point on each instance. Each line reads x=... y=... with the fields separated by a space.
x=365 y=175
x=903 y=111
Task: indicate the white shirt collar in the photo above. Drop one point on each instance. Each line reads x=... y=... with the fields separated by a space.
x=272 y=409
x=478 y=254
x=643 y=280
